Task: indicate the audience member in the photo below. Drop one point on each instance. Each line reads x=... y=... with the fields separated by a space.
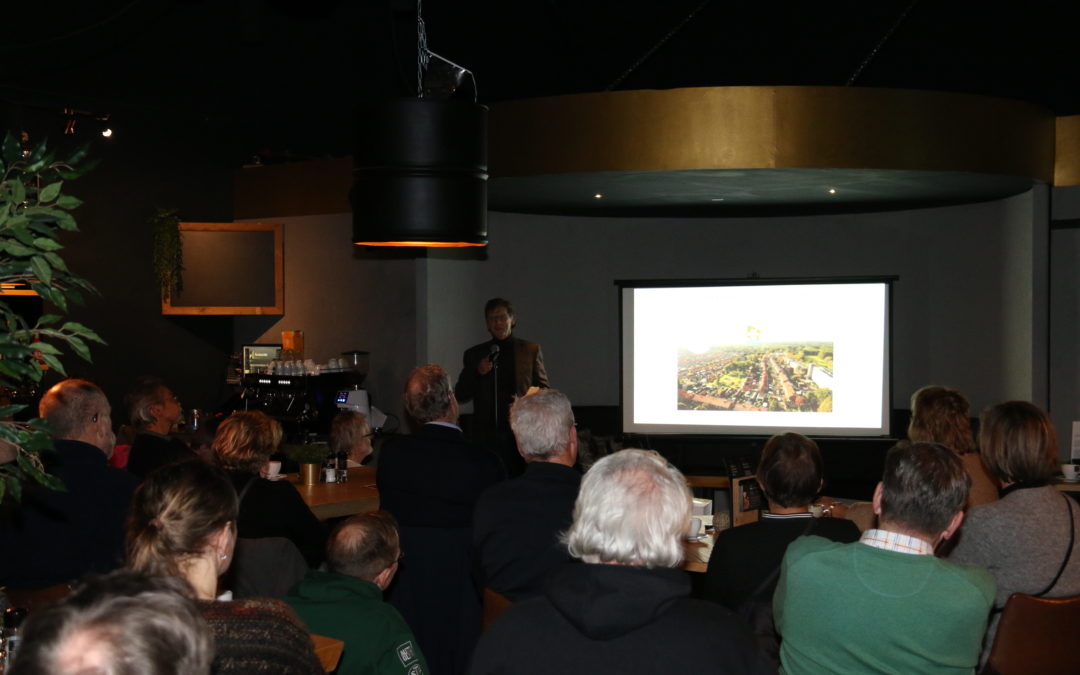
x=517 y=523
x=183 y=525
x=350 y=433
x=625 y=610
x=430 y=482
x=123 y=623
x=745 y=562
x=900 y=609
x=243 y=445
x=1030 y=538
x=153 y=410
x=940 y=415
x=346 y=602
x=54 y=536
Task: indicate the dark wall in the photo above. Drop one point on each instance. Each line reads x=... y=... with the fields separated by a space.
x=141 y=170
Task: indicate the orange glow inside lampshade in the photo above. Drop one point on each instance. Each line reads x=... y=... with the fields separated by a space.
x=427 y=244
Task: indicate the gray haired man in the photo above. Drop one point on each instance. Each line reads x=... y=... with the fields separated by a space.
x=517 y=523
x=627 y=608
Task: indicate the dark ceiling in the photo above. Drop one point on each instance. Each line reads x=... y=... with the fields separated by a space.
x=282 y=78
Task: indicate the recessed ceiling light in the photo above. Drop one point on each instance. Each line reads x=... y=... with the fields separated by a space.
x=832 y=191
x=717 y=199
x=598 y=196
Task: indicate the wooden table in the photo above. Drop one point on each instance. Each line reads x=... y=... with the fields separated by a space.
x=1065 y=487
x=333 y=500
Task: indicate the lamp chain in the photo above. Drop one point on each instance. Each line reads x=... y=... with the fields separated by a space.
x=421 y=51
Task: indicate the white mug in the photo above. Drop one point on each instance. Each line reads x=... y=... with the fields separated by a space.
x=1070 y=471
x=273 y=469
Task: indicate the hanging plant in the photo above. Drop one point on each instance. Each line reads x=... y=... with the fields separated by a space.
x=33 y=213
x=168 y=252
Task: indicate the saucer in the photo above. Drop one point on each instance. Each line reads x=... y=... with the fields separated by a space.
x=276 y=478
x=1070 y=480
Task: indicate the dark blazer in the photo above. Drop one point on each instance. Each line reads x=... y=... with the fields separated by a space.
x=430 y=482
x=433 y=477
x=517 y=525
x=53 y=537
x=150 y=451
x=528 y=372
x=743 y=557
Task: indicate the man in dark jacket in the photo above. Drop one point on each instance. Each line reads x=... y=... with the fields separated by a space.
x=430 y=482
x=56 y=536
x=626 y=610
x=494 y=373
x=517 y=523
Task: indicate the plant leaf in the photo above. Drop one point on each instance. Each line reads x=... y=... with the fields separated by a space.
x=79 y=347
x=11 y=149
x=11 y=410
x=46 y=244
x=69 y=202
x=54 y=363
x=50 y=192
x=42 y=269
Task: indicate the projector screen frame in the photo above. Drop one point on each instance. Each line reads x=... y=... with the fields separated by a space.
x=695 y=431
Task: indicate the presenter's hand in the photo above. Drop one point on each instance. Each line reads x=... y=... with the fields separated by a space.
x=484 y=367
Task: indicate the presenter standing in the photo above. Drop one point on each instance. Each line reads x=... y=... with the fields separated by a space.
x=494 y=373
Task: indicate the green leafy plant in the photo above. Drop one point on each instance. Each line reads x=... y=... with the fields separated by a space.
x=33 y=214
x=168 y=251
x=308 y=453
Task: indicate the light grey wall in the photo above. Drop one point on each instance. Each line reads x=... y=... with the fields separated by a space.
x=966 y=307
x=343 y=298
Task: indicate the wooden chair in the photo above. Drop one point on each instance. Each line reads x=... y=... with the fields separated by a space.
x=1035 y=635
x=328 y=650
x=36 y=598
x=494 y=605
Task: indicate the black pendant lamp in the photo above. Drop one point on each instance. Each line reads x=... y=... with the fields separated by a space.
x=420 y=174
x=420 y=165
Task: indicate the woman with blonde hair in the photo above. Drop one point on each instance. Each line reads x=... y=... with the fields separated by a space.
x=243 y=445
x=182 y=524
x=940 y=415
x=1030 y=538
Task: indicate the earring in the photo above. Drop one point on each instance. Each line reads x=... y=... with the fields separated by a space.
x=224 y=556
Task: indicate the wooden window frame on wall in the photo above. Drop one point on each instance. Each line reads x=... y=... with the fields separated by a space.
x=279 y=276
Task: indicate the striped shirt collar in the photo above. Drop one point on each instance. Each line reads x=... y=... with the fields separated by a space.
x=786 y=516
x=894 y=541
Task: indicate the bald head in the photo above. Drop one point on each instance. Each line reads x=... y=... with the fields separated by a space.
x=364 y=546
x=77 y=410
x=428 y=396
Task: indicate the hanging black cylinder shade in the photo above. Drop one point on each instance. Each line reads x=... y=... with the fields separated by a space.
x=420 y=174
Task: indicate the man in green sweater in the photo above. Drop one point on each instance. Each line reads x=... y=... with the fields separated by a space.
x=885 y=604
x=346 y=603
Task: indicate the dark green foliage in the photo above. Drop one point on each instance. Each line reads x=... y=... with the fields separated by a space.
x=33 y=213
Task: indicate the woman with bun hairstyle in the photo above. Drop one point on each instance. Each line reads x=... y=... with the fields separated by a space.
x=182 y=524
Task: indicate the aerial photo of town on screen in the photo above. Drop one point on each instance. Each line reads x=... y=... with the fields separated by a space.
x=757 y=376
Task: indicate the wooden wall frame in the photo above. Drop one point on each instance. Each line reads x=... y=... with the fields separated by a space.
x=225 y=263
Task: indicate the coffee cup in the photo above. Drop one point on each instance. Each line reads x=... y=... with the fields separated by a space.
x=273 y=470
x=1070 y=471
x=695 y=528
x=817 y=510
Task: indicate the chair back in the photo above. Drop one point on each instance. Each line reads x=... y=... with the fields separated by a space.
x=264 y=568
x=494 y=605
x=1035 y=635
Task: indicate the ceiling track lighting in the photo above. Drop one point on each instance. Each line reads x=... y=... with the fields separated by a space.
x=71 y=118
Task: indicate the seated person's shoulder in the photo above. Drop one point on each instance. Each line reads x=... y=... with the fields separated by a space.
x=808 y=546
x=976 y=576
x=837 y=529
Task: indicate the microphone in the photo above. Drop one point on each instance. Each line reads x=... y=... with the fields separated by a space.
x=493 y=353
